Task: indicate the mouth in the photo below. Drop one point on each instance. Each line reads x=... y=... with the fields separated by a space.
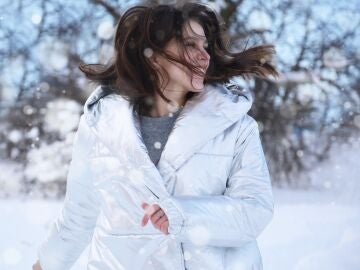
x=203 y=70
x=198 y=76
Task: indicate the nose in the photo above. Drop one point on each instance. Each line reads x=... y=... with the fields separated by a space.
x=203 y=54
x=203 y=58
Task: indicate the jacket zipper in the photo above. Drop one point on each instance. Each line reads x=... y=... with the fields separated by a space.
x=182 y=256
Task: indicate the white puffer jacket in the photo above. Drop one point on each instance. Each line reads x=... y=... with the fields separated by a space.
x=212 y=181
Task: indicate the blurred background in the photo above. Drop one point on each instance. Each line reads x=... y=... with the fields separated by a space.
x=309 y=119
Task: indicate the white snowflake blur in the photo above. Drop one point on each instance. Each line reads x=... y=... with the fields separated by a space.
x=52 y=54
x=49 y=162
x=62 y=115
x=105 y=30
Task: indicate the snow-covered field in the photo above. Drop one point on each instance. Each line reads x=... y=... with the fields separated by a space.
x=311 y=229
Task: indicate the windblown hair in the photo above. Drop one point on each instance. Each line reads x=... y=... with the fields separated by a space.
x=146 y=29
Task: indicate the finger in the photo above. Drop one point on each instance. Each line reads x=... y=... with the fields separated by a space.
x=144 y=220
x=164 y=227
x=151 y=209
x=156 y=216
x=160 y=222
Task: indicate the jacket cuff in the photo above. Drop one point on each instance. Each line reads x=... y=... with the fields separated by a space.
x=50 y=253
x=175 y=216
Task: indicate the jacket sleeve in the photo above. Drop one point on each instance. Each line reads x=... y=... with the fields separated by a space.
x=72 y=230
x=241 y=213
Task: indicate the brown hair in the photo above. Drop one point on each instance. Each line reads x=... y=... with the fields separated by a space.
x=151 y=27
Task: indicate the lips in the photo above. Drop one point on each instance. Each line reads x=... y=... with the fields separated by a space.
x=199 y=76
x=203 y=70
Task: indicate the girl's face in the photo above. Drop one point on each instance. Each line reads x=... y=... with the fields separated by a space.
x=181 y=78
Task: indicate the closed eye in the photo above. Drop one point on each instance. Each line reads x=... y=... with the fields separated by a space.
x=194 y=45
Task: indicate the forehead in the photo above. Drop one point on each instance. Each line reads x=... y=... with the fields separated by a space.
x=192 y=29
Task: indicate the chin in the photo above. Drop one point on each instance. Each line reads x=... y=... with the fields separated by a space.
x=197 y=90
x=197 y=85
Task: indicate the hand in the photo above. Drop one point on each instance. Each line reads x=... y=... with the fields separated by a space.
x=36 y=266
x=157 y=217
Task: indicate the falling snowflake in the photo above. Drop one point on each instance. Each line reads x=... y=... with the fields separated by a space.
x=28 y=109
x=334 y=58
x=299 y=153
x=62 y=115
x=259 y=20
x=105 y=30
x=157 y=145
x=53 y=54
x=347 y=105
x=46 y=163
x=173 y=106
x=15 y=136
x=217 y=5
x=148 y=52
x=44 y=87
x=33 y=133
x=36 y=17
x=199 y=235
x=10 y=178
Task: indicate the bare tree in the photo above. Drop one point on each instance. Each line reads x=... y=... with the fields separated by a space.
x=312 y=105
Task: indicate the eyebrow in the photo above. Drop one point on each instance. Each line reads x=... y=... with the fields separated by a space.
x=195 y=38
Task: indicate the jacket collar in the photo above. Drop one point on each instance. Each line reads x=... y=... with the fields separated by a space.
x=204 y=116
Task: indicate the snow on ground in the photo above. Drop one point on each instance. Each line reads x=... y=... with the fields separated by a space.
x=311 y=229
x=305 y=234
x=318 y=228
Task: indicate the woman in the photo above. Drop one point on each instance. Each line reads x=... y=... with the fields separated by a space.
x=200 y=200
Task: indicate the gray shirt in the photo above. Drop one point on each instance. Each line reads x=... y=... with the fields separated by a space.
x=155 y=132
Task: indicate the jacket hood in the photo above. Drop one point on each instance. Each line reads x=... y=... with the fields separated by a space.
x=228 y=99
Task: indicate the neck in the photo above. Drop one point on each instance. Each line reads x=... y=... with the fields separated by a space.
x=161 y=108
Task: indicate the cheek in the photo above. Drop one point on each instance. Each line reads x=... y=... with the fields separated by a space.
x=189 y=57
x=178 y=73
